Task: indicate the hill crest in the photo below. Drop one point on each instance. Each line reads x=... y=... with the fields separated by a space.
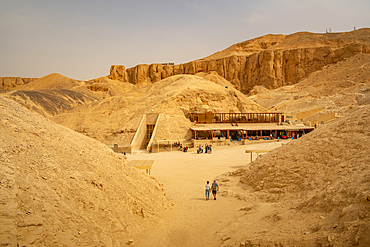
x=271 y=60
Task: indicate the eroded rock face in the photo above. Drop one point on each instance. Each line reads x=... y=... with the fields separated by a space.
x=118 y=72
x=11 y=82
x=283 y=62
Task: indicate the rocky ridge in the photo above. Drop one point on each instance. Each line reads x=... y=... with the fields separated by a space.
x=337 y=88
x=12 y=82
x=115 y=119
x=272 y=61
x=55 y=94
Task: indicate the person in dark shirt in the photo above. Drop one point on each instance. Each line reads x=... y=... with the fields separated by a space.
x=215 y=188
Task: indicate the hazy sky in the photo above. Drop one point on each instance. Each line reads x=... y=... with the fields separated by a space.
x=83 y=38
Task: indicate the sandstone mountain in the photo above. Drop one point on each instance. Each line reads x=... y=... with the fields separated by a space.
x=50 y=102
x=54 y=94
x=321 y=181
x=272 y=60
x=115 y=119
x=12 y=82
x=62 y=188
x=336 y=88
x=331 y=70
x=59 y=187
x=52 y=81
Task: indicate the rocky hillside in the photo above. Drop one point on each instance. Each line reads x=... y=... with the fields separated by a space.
x=50 y=102
x=115 y=120
x=337 y=88
x=272 y=60
x=12 y=82
x=321 y=180
x=58 y=187
x=54 y=94
x=326 y=71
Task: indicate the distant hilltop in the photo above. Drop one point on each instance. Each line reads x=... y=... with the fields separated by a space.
x=11 y=82
x=272 y=60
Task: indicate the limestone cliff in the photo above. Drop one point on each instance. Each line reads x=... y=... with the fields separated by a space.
x=272 y=60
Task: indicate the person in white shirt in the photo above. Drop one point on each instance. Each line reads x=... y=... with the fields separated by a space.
x=208 y=187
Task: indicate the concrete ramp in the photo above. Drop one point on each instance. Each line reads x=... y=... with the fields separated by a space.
x=138 y=142
x=145 y=132
x=151 y=141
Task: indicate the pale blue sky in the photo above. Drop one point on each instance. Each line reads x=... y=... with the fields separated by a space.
x=83 y=38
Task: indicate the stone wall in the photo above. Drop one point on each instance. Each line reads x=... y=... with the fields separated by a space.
x=271 y=68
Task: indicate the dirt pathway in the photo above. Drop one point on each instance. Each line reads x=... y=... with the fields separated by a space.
x=193 y=221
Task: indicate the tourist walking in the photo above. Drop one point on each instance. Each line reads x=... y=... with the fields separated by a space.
x=208 y=187
x=215 y=188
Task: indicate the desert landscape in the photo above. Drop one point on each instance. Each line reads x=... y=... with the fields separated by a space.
x=63 y=185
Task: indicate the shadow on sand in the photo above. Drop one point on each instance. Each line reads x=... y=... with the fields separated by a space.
x=198 y=199
x=236 y=167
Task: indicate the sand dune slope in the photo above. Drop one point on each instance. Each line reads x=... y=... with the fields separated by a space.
x=54 y=94
x=50 y=102
x=115 y=119
x=61 y=188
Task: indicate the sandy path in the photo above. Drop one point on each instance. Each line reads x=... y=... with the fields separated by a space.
x=193 y=221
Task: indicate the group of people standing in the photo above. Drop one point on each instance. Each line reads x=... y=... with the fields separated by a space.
x=214 y=187
x=185 y=149
x=207 y=149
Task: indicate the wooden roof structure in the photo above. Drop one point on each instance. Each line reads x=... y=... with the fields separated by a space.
x=210 y=117
x=249 y=127
x=142 y=164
